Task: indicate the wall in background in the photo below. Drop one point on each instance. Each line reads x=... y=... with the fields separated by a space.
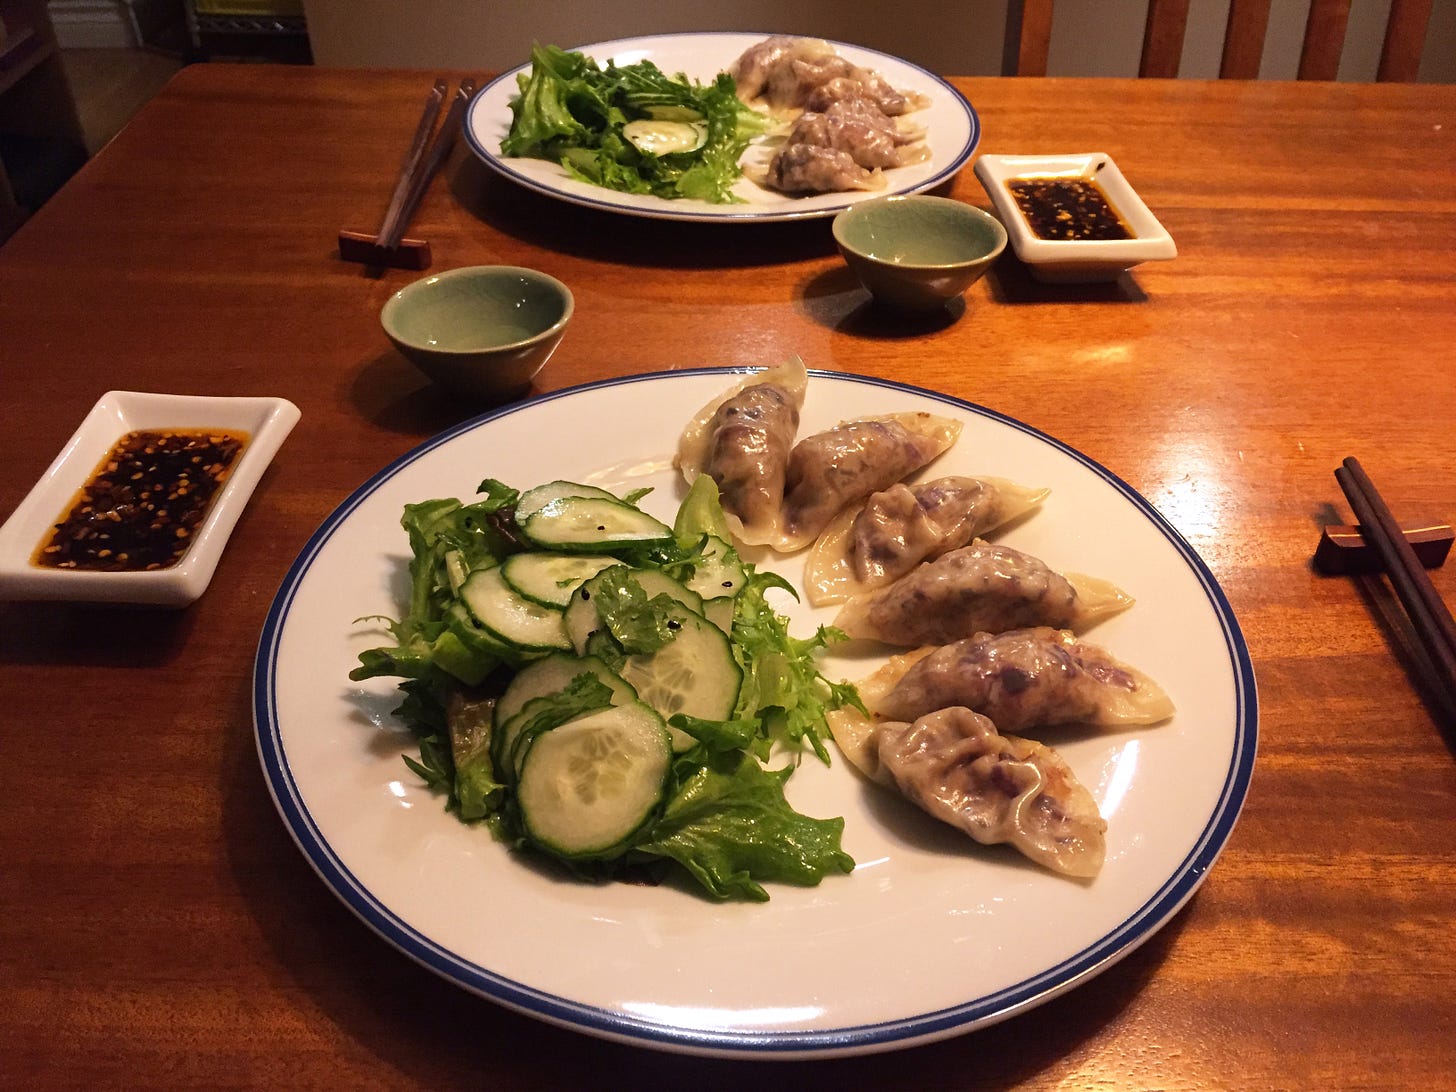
x=1089 y=38
x=92 y=24
x=494 y=36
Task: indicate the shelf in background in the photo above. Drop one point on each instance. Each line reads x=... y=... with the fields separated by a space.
x=41 y=143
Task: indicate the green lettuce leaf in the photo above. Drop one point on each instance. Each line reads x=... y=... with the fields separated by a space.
x=640 y=625
x=447 y=540
x=701 y=513
x=571 y=111
x=730 y=826
x=476 y=790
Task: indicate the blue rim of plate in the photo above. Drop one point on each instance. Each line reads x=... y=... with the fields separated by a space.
x=1117 y=943
x=668 y=210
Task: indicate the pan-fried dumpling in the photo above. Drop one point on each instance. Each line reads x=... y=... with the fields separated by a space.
x=899 y=527
x=783 y=73
x=978 y=588
x=1021 y=679
x=957 y=767
x=809 y=168
x=742 y=440
x=766 y=73
x=857 y=126
x=852 y=461
x=844 y=147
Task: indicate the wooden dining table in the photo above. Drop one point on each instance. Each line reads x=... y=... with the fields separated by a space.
x=158 y=926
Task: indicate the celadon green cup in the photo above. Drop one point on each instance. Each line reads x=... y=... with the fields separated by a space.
x=481 y=331
x=915 y=252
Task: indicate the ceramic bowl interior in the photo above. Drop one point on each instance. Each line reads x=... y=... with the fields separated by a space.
x=918 y=252
x=483 y=331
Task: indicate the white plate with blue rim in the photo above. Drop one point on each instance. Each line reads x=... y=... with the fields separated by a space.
x=951 y=125
x=930 y=936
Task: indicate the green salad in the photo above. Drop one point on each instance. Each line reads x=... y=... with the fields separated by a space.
x=605 y=689
x=632 y=128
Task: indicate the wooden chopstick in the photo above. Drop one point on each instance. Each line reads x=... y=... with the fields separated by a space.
x=1429 y=615
x=420 y=180
x=392 y=227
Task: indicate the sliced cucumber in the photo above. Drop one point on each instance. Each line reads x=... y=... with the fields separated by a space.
x=512 y=618
x=528 y=693
x=456 y=569
x=695 y=673
x=720 y=612
x=533 y=500
x=720 y=573
x=655 y=582
x=583 y=618
x=548 y=675
x=663 y=136
x=476 y=640
x=589 y=785
x=549 y=579
x=674 y=113
x=591 y=525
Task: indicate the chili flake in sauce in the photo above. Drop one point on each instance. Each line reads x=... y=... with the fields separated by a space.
x=144 y=502
x=1067 y=209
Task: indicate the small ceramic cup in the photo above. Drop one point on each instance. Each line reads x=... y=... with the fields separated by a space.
x=915 y=252
x=482 y=331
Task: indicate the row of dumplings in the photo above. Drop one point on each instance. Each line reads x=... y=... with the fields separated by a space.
x=848 y=122
x=991 y=633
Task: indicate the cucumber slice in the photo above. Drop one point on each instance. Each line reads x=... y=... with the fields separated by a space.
x=512 y=618
x=523 y=700
x=549 y=579
x=583 y=619
x=655 y=582
x=673 y=113
x=548 y=675
x=664 y=136
x=463 y=621
x=695 y=673
x=456 y=570
x=593 y=524
x=533 y=500
x=720 y=612
x=589 y=785
x=720 y=572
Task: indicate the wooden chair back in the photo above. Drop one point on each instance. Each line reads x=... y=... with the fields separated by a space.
x=1029 y=33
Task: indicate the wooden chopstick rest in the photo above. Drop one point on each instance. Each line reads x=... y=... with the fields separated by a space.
x=1343 y=550
x=360 y=246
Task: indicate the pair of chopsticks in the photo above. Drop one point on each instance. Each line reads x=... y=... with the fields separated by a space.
x=388 y=246
x=1430 y=617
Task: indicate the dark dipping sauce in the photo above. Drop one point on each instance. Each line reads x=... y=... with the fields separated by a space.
x=144 y=502
x=1067 y=209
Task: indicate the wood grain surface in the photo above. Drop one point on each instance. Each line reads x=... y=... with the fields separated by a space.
x=157 y=925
